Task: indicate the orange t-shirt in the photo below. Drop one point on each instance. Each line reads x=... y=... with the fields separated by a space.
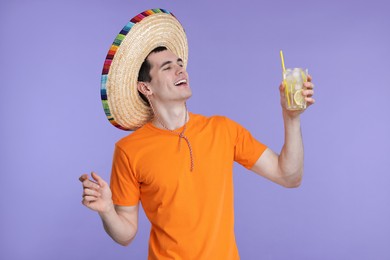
x=191 y=212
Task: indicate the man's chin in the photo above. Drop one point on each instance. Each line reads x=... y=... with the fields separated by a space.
x=189 y=94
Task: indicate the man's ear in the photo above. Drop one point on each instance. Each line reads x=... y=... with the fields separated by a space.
x=143 y=88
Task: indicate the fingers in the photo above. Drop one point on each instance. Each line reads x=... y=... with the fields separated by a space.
x=309 y=78
x=96 y=193
x=310 y=101
x=308 y=92
x=98 y=179
x=87 y=200
x=308 y=85
x=90 y=184
x=90 y=190
x=83 y=177
x=91 y=193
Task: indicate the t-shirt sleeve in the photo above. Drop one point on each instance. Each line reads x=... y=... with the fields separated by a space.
x=247 y=150
x=124 y=185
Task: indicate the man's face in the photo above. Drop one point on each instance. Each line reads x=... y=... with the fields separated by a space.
x=169 y=78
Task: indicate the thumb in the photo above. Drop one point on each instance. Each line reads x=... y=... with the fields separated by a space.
x=98 y=179
x=281 y=86
x=83 y=177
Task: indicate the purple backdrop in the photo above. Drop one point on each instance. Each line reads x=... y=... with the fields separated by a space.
x=53 y=127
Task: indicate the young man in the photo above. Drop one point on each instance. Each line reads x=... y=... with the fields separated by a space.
x=178 y=164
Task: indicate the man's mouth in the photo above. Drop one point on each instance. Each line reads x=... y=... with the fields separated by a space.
x=180 y=82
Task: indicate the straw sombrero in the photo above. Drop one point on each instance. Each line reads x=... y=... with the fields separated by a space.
x=148 y=30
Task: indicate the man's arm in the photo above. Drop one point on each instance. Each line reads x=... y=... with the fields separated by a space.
x=286 y=169
x=119 y=222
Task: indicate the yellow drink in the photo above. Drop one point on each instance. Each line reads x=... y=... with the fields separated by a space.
x=293 y=81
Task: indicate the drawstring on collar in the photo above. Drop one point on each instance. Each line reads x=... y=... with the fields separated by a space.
x=181 y=134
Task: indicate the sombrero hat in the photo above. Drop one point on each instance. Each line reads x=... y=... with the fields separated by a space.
x=153 y=28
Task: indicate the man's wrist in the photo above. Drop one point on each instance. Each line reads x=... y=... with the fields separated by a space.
x=109 y=210
x=291 y=116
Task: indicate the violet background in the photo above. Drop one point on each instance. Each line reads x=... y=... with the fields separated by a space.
x=53 y=127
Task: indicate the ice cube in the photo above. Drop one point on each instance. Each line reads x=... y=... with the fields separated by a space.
x=297 y=73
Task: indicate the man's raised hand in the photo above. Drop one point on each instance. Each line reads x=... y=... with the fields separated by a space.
x=96 y=193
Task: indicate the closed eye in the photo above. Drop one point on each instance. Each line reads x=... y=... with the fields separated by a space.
x=180 y=62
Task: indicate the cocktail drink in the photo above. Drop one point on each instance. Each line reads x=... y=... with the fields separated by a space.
x=293 y=81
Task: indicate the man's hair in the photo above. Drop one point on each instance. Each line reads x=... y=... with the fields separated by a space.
x=144 y=71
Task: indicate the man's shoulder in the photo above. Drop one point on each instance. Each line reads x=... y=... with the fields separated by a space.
x=214 y=123
x=133 y=138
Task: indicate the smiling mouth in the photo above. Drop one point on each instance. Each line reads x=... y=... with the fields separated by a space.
x=180 y=82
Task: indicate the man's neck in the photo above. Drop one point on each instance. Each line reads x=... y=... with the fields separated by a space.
x=170 y=117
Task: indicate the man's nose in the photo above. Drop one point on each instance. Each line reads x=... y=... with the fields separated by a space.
x=179 y=70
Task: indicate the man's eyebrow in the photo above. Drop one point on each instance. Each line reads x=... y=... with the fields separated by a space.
x=165 y=63
x=168 y=62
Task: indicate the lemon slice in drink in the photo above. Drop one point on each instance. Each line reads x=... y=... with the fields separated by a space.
x=299 y=98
